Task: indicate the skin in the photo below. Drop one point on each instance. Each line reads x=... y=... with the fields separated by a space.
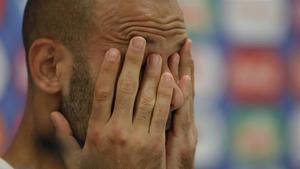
x=112 y=135
x=161 y=23
x=49 y=142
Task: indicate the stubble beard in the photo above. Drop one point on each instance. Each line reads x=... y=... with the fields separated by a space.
x=77 y=104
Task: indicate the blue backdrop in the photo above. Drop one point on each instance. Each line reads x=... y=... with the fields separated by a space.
x=247 y=73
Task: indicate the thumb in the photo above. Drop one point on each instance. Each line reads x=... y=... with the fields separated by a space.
x=64 y=136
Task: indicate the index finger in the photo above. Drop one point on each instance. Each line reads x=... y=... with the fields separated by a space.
x=105 y=87
x=128 y=83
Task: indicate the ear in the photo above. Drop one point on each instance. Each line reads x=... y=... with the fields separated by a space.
x=44 y=59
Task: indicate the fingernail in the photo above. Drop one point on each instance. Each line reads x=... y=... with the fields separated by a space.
x=154 y=59
x=190 y=42
x=113 y=55
x=138 y=43
x=187 y=78
x=176 y=58
x=168 y=77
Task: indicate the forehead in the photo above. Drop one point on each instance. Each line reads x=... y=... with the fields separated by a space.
x=160 y=22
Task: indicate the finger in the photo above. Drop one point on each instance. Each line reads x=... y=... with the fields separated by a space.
x=186 y=59
x=128 y=83
x=182 y=117
x=68 y=144
x=147 y=95
x=177 y=99
x=186 y=66
x=105 y=87
x=174 y=66
x=162 y=105
x=176 y=103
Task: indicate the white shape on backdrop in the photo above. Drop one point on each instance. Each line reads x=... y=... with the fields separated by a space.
x=211 y=131
x=21 y=5
x=210 y=80
x=266 y=166
x=4 y=70
x=198 y=16
x=209 y=71
x=20 y=71
x=256 y=21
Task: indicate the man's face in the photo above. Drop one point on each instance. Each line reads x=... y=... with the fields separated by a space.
x=160 y=22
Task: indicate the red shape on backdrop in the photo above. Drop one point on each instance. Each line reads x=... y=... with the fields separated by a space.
x=294 y=68
x=2 y=136
x=2 y=10
x=296 y=14
x=256 y=75
x=20 y=72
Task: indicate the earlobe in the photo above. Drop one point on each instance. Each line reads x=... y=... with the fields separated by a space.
x=43 y=58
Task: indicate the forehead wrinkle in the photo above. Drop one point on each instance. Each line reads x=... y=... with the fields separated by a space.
x=162 y=27
x=149 y=28
x=152 y=24
x=152 y=47
x=152 y=35
x=161 y=20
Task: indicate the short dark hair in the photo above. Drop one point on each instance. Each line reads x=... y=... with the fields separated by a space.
x=65 y=21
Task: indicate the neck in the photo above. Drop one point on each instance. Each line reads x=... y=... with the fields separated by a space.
x=32 y=148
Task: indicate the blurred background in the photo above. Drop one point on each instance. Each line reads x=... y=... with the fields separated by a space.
x=247 y=55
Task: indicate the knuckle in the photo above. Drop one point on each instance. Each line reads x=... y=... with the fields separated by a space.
x=94 y=137
x=160 y=124
x=118 y=137
x=143 y=116
x=140 y=145
x=147 y=102
x=156 y=144
x=186 y=152
x=186 y=125
x=152 y=74
x=165 y=93
x=102 y=94
x=128 y=86
x=162 y=113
